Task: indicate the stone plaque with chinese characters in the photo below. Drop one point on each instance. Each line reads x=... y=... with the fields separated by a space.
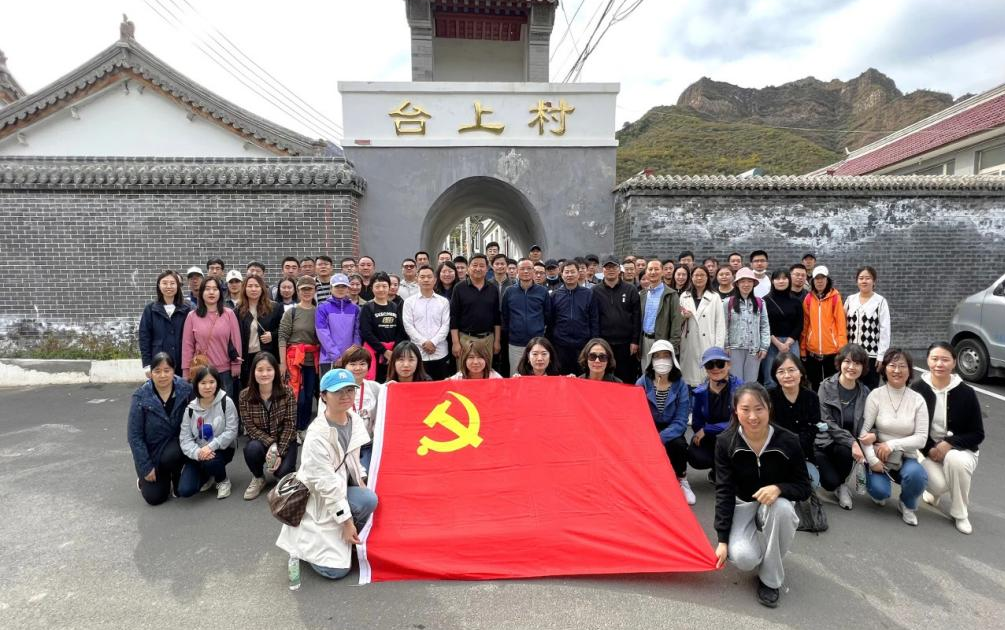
x=478 y=114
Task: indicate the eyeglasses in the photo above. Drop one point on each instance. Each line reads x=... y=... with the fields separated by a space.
x=408 y=266
x=597 y=356
x=715 y=365
x=897 y=367
x=787 y=372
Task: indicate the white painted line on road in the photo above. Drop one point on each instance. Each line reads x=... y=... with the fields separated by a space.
x=975 y=388
x=97 y=401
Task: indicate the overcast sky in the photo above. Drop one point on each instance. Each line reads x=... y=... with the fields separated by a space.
x=655 y=53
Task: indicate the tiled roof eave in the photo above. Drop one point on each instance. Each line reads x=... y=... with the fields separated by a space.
x=680 y=185
x=180 y=174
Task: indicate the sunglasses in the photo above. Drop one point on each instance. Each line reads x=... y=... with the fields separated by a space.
x=594 y=356
x=715 y=365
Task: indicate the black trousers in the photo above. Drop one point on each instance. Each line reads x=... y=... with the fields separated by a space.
x=254 y=457
x=168 y=472
x=627 y=367
x=568 y=358
x=439 y=369
x=817 y=370
x=500 y=362
x=677 y=452
x=702 y=456
x=871 y=378
x=834 y=463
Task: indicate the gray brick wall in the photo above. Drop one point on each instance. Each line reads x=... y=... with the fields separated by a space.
x=84 y=240
x=91 y=255
x=930 y=250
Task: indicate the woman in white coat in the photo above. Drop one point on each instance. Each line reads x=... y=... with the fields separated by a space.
x=704 y=325
x=340 y=503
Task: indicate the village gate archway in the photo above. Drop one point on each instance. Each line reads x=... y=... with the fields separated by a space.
x=487 y=197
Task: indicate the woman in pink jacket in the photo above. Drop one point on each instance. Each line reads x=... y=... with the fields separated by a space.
x=212 y=330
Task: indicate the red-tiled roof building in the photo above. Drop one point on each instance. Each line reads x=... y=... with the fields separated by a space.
x=967 y=138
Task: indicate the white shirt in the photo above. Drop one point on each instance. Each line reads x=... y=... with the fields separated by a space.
x=763 y=286
x=427 y=319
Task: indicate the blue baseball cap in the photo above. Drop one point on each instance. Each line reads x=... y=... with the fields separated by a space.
x=337 y=379
x=714 y=353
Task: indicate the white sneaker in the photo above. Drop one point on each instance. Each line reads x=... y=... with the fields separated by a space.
x=685 y=487
x=879 y=502
x=930 y=498
x=908 y=515
x=254 y=488
x=208 y=485
x=963 y=526
x=843 y=497
x=223 y=489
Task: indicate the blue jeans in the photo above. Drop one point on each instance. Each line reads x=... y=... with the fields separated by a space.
x=362 y=503
x=330 y=573
x=365 y=453
x=196 y=473
x=911 y=477
x=767 y=375
x=230 y=385
x=305 y=401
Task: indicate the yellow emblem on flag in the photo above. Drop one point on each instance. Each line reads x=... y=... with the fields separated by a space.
x=466 y=435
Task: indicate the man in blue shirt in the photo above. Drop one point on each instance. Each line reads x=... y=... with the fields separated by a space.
x=661 y=316
x=526 y=309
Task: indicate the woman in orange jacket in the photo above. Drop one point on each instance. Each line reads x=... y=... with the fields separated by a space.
x=824 y=330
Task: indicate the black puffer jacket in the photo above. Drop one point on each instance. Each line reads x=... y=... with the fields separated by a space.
x=740 y=473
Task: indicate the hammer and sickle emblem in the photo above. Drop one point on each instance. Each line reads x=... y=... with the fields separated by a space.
x=466 y=435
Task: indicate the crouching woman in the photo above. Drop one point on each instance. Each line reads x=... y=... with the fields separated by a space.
x=340 y=503
x=760 y=474
x=154 y=422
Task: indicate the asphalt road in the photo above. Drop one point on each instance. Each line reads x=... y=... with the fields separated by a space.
x=79 y=548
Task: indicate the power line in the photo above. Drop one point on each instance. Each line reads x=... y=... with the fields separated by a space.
x=301 y=114
x=234 y=72
x=319 y=114
x=568 y=29
x=586 y=48
x=586 y=28
x=619 y=14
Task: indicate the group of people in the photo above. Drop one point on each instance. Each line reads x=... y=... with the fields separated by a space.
x=770 y=381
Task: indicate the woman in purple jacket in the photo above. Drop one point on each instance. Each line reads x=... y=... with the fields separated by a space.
x=336 y=323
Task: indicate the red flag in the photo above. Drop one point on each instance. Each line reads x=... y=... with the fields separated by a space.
x=524 y=477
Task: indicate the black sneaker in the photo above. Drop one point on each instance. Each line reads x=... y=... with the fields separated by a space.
x=766 y=595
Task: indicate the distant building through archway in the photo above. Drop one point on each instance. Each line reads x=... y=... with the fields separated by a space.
x=484 y=197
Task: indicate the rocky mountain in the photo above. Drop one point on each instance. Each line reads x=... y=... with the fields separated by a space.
x=785 y=129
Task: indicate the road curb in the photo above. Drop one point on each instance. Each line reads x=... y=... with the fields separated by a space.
x=21 y=372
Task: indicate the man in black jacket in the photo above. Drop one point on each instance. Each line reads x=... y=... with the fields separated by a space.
x=620 y=319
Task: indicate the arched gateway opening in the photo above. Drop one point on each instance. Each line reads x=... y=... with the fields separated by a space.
x=484 y=197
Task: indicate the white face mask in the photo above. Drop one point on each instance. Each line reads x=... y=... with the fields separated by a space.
x=662 y=366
